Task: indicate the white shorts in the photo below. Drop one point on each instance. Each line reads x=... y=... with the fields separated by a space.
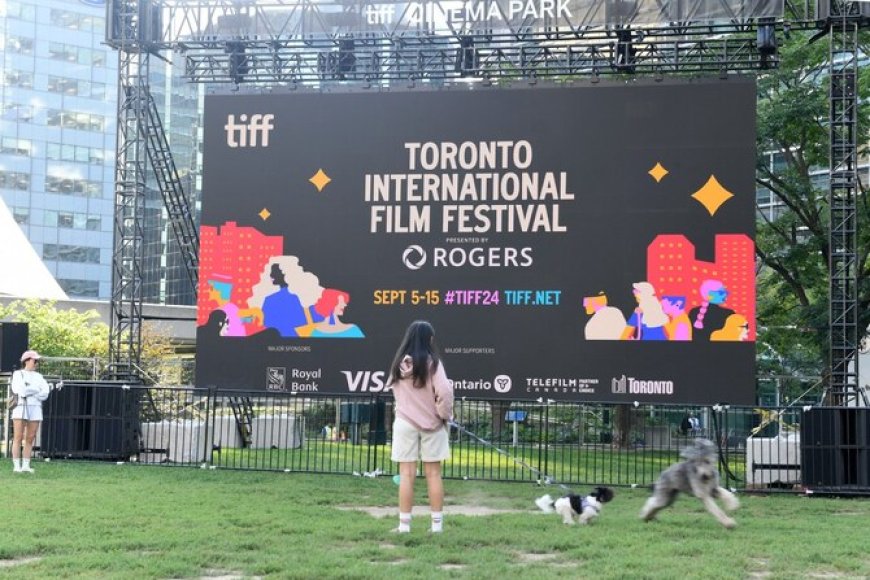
x=28 y=412
x=412 y=444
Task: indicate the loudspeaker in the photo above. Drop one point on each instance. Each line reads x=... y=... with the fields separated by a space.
x=14 y=337
x=91 y=421
x=835 y=448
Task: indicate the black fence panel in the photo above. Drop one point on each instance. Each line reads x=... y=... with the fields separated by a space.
x=809 y=449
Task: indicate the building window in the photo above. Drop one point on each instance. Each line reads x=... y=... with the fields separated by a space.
x=21 y=215
x=76 y=88
x=58 y=152
x=74 y=120
x=16 y=112
x=13 y=146
x=14 y=180
x=64 y=220
x=80 y=288
x=75 y=54
x=70 y=186
x=17 y=78
x=65 y=253
x=19 y=45
x=20 y=11
x=76 y=21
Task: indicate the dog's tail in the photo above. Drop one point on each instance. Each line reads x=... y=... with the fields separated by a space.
x=545 y=502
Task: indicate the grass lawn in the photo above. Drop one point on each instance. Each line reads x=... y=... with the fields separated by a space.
x=86 y=520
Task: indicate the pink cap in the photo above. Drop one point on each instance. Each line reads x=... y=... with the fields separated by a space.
x=30 y=354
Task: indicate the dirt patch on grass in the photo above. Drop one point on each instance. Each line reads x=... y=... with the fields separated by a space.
x=396 y=562
x=759 y=568
x=452 y=567
x=533 y=557
x=450 y=510
x=18 y=562
x=226 y=575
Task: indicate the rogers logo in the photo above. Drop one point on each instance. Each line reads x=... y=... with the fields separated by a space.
x=414 y=257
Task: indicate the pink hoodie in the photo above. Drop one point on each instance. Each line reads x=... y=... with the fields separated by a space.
x=427 y=407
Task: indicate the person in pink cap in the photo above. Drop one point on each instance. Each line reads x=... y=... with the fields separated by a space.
x=32 y=390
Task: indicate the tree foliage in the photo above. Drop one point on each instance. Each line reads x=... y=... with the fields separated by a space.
x=59 y=332
x=792 y=244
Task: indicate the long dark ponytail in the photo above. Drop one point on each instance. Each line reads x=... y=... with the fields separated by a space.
x=419 y=344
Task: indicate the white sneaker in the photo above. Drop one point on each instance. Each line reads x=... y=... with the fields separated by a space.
x=17 y=469
x=27 y=469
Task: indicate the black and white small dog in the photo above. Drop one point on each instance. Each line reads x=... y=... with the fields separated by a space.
x=576 y=508
x=697 y=475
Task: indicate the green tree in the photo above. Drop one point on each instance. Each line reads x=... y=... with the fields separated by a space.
x=57 y=332
x=792 y=240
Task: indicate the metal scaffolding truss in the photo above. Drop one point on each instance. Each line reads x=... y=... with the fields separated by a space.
x=377 y=42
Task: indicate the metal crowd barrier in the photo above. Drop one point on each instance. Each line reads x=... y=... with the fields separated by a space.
x=804 y=449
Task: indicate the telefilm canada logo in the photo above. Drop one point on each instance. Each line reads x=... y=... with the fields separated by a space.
x=630 y=385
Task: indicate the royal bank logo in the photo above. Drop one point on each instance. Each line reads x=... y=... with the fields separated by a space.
x=414 y=257
x=618 y=386
x=276 y=378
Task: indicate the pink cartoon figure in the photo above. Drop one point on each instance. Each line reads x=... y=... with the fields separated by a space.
x=679 y=327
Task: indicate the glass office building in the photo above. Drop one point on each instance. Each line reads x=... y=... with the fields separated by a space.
x=58 y=110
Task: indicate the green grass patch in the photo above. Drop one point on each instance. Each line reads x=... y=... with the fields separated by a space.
x=93 y=520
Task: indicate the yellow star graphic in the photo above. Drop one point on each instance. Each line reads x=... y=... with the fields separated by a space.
x=264 y=214
x=320 y=180
x=658 y=172
x=712 y=195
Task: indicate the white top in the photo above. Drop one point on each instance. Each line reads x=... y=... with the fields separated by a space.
x=30 y=386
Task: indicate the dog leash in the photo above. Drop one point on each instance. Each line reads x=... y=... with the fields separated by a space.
x=543 y=478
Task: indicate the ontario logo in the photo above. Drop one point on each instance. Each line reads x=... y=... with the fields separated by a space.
x=500 y=384
x=630 y=385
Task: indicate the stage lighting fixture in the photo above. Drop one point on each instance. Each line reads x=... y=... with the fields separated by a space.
x=466 y=57
x=765 y=41
x=238 y=63
x=346 y=57
x=625 y=51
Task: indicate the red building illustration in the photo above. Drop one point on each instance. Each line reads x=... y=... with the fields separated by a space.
x=673 y=270
x=234 y=252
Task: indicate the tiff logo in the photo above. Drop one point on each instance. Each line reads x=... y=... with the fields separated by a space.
x=245 y=133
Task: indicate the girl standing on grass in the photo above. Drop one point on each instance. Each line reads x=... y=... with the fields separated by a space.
x=32 y=390
x=424 y=404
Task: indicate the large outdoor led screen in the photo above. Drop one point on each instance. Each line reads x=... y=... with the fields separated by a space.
x=584 y=243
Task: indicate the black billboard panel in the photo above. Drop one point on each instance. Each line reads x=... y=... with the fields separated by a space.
x=580 y=243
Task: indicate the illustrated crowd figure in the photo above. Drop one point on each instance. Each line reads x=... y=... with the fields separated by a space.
x=287 y=299
x=665 y=317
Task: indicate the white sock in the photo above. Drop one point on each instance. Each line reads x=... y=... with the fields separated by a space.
x=25 y=464
x=404 y=522
x=437 y=521
x=16 y=463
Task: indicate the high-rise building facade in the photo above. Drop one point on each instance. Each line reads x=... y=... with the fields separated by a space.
x=58 y=115
x=57 y=136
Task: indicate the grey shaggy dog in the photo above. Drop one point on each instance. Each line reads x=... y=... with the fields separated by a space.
x=696 y=474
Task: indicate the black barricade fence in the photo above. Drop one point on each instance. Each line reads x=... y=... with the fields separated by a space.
x=807 y=449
